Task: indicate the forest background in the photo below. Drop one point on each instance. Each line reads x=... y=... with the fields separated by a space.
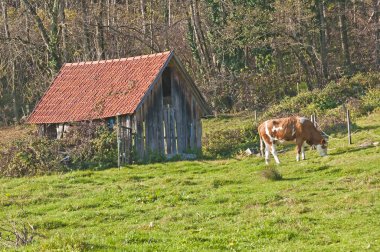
x=243 y=54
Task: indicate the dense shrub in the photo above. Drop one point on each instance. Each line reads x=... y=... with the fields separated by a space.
x=360 y=93
x=87 y=145
x=30 y=156
x=228 y=142
x=371 y=100
x=91 y=145
x=333 y=120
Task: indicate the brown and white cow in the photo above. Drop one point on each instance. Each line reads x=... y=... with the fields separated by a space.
x=294 y=128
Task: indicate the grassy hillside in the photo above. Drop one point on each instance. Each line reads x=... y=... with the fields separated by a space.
x=322 y=204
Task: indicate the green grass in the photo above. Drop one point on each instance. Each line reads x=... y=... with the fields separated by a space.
x=321 y=204
x=229 y=121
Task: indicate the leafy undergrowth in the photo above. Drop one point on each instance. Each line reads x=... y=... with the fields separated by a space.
x=321 y=204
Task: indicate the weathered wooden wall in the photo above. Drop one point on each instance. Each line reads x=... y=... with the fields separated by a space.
x=171 y=128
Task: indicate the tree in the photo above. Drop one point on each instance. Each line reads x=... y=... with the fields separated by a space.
x=343 y=27
x=49 y=36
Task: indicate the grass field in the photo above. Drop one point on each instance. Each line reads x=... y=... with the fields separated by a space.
x=321 y=204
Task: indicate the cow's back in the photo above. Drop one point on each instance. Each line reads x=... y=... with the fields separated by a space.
x=279 y=129
x=305 y=128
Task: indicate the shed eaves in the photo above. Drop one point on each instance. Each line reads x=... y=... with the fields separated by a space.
x=98 y=89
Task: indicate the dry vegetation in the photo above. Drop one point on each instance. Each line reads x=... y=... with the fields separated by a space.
x=13 y=133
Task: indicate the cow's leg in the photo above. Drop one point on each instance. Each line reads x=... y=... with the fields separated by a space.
x=298 y=152
x=261 y=147
x=303 y=152
x=300 y=149
x=274 y=153
x=266 y=153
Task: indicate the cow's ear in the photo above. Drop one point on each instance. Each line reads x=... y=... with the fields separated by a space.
x=323 y=141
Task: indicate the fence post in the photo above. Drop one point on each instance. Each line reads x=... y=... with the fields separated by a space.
x=255 y=115
x=349 y=126
x=312 y=119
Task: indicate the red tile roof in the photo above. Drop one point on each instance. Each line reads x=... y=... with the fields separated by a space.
x=99 y=89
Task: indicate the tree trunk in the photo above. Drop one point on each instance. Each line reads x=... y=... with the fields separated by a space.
x=5 y=19
x=142 y=6
x=63 y=29
x=100 y=48
x=13 y=76
x=375 y=4
x=344 y=35
x=302 y=61
x=14 y=92
x=27 y=28
x=167 y=21
x=50 y=38
x=86 y=34
x=323 y=42
x=151 y=27
x=199 y=33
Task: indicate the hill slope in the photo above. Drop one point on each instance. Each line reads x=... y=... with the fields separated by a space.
x=322 y=204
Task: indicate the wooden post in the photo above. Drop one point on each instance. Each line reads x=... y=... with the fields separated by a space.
x=349 y=126
x=312 y=120
x=118 y=140
x=63 y=130
x=298 y=88
x=129 y=138
x=255 y=115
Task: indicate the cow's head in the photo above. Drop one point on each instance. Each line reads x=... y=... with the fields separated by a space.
x=322 y=147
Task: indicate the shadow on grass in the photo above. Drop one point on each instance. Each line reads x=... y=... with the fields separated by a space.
x=369 y=127
x=350 y=150
x=292 y=179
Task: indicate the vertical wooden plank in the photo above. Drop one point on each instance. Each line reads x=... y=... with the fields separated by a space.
x=146 y=128
x=172 y=132
x=118 y=141
x=151 y=129
x=156 y=116
x=189 y=120
x=154 y=109
x=199 y=134
x=192 y=124
x=133 y=136
x=184 y=120
x=128 y=143
x=41 y=130
x=167 y=129
x=177 y=105
x=160 y=128
x=139 y=138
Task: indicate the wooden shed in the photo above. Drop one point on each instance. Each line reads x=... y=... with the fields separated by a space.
x=152 y=97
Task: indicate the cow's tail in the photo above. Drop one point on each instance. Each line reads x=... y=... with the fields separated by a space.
x=261 y=147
